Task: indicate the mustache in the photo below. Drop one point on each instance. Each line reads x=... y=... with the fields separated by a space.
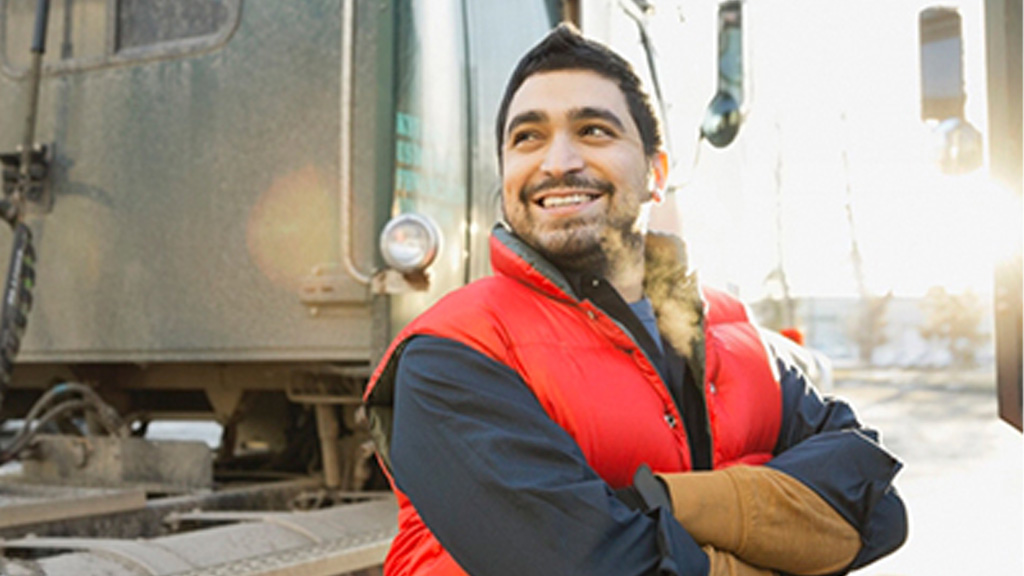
x=566 y=181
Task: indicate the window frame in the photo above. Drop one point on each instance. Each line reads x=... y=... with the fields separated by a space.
x=937 y=23
x=112 y=57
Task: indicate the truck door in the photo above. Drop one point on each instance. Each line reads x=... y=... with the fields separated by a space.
x=452 y=60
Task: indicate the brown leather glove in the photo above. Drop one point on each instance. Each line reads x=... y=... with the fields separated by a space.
x=725 y=564
x=764 y=517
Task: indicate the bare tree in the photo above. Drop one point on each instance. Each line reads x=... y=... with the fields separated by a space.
x=869 y=321
x=954 y=320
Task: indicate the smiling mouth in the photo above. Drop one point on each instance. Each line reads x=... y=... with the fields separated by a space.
x=567 y=192
x=564 y=200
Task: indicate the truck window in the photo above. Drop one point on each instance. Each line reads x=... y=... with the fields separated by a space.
x=89 y=33
x=730 y=49
x=147 y=22
x=942 y=76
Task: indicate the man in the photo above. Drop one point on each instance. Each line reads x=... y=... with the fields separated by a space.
x=520 y=418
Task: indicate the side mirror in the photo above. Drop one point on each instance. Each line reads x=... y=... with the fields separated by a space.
x=959 y=147
x=722 y=120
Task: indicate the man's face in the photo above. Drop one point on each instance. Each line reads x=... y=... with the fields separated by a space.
x=574 y=171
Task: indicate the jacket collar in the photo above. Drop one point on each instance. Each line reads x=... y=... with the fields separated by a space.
x=668 y=282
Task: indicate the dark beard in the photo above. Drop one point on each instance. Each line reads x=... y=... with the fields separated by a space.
x=620 y=242
x=617 y=245
x=589 y=259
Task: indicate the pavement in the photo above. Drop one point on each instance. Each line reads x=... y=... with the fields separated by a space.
x=962 y=481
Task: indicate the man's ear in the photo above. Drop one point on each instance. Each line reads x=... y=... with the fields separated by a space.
x=659 y=173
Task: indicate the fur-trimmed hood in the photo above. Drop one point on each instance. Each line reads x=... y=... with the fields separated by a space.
x=674 y=293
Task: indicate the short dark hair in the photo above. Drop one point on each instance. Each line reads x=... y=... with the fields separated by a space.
x=564 y=48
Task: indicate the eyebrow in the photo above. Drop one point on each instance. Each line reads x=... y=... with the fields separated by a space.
x=592 y=113
x=576 y=114
x=527 y=117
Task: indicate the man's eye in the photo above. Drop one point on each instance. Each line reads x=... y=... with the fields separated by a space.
x=523 y=136
x=596 y=131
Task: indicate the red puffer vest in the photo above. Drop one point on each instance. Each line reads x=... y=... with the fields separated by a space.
x=593 y=380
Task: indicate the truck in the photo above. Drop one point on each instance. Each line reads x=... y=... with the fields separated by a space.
x=221 y=211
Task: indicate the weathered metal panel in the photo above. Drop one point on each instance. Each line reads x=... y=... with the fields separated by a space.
x=193 y=193
x=328 y=542
x=150 y=520
x=23 y=504
x=164 y=465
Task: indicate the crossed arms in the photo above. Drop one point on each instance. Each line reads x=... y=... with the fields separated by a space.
x=507 y=491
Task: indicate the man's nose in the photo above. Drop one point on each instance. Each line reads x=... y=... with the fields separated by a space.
x=562 y=156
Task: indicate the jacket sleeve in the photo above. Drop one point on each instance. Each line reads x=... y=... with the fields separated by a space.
x=822 y=444
x=506 y=490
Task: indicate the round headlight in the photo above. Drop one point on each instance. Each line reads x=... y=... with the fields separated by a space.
x=410 y=242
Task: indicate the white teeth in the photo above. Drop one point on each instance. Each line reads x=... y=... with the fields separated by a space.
x=559 y=201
